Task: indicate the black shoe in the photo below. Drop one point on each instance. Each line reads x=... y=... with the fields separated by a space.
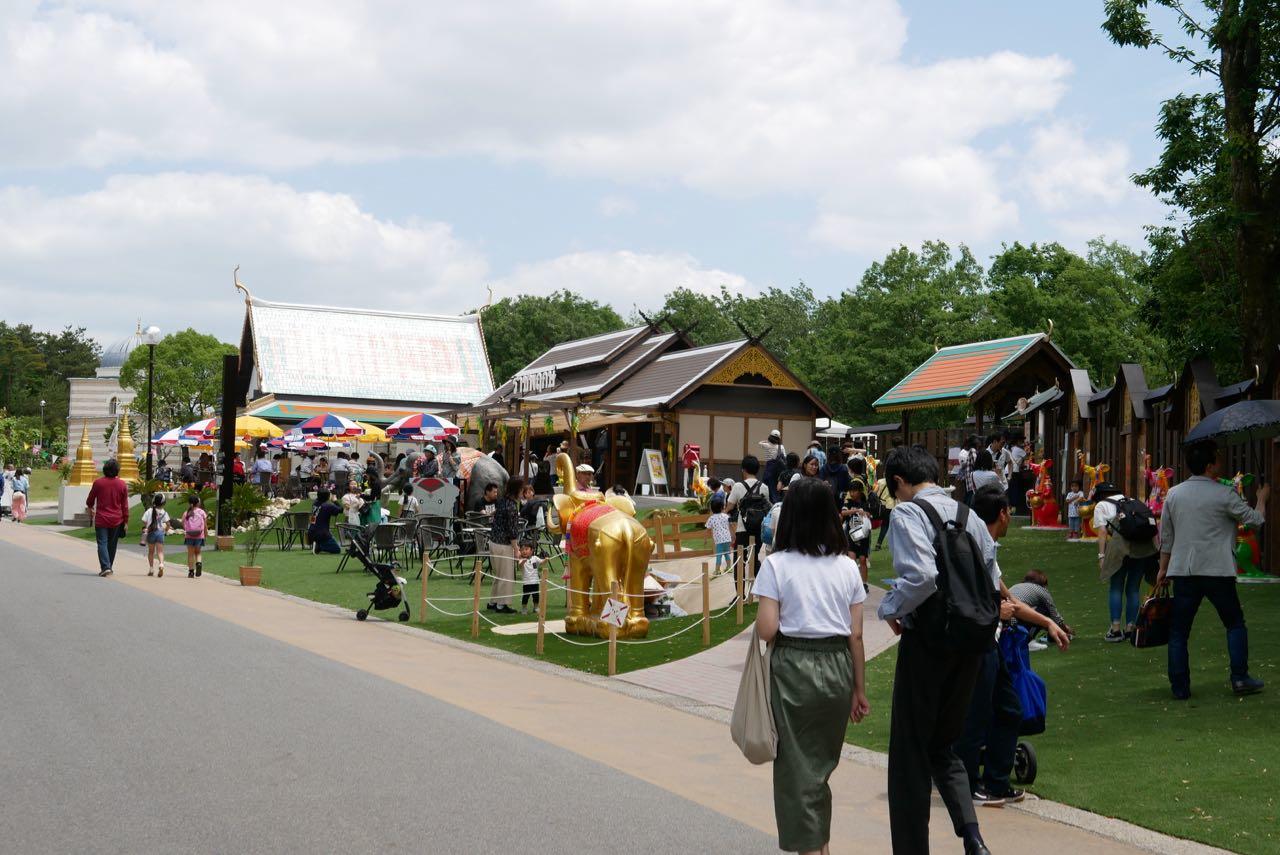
x=976 y=847
x=505 y=610
x=1113 y=636
x=1181 y=694
x=191 y=574
x=199 y=567
x=983 y=798
x=493 y=607
x=1247 y=686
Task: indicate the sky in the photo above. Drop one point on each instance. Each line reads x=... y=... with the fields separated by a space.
x=412 y=155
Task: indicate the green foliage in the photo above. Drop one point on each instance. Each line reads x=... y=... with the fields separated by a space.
x=518 y=330
x=259 y=529
x=34 y=366
x=145 y=489
x=245 y=503
x=188 y=376
x=17 y=437
x=1220 y=167
x=785 y=313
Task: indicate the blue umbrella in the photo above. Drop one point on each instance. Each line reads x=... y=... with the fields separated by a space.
x=1244 y=421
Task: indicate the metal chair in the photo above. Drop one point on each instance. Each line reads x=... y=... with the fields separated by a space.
x=294 y=528
x=390 y=538
x=347 y=533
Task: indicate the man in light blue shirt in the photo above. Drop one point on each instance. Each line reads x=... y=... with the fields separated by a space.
x=932 y=686
x=1197 y=538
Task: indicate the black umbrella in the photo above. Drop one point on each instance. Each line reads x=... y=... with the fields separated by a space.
x=1244 y=421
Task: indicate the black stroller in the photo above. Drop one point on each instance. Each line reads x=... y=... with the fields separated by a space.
x=389 y=590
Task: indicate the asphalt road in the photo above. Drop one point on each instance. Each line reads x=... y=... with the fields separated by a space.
x=131 y=724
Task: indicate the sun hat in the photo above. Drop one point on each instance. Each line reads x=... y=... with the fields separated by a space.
x=585 y=467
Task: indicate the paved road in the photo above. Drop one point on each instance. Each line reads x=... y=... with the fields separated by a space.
x=131 y=724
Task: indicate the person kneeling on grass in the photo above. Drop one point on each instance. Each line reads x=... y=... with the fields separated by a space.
x=321 y=516
x=1034 y=591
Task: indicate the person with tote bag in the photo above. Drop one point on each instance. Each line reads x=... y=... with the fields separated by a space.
x=810 y=613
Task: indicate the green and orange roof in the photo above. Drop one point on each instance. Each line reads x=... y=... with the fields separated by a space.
x=955 y=374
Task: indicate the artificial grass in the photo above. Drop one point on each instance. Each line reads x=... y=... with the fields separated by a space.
x=1117 y=743
x=302 y=574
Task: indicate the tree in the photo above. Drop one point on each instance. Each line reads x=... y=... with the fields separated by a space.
x=518 y=330
x=786 y=313
x=188 y=377
x=34 y=367
x=1099 y=303
x=1221 y=160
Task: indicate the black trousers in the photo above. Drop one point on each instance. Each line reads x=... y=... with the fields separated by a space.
x=932 y=689
x=995 y=713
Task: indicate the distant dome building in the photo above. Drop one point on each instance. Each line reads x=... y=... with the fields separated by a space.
x=99 y=400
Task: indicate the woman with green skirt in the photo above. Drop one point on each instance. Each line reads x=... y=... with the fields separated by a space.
x=811 y=612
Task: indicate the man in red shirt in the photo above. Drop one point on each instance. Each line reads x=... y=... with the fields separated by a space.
x=108 y=505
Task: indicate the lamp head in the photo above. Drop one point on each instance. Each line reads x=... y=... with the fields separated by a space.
x=151 y=335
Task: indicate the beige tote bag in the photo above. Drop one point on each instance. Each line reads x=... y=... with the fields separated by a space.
x=752 y=725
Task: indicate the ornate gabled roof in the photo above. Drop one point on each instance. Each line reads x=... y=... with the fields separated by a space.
x=956 y=374
x=302 y=351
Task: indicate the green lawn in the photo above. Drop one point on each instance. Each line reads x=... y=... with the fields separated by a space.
x=302 y=574
x=44 y=485
x=1117 y=744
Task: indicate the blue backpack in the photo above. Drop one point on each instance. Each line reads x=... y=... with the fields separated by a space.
x=768 y=523
x=1032 y=693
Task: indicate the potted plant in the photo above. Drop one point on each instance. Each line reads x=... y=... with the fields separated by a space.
x=251 y=573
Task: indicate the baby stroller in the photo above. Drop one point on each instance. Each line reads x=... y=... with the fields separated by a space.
x=389 y=590
x=1032 y=695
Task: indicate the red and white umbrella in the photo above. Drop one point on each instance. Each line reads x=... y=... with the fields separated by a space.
x=202 y=429
x=329 y=425
x=168 y=437
x=422 y=427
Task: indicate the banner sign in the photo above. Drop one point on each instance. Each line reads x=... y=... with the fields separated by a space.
x=534 y=382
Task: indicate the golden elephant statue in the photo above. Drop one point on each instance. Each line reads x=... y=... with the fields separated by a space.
x=606 y=544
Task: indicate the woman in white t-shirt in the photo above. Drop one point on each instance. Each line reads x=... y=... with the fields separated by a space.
x=811 y=598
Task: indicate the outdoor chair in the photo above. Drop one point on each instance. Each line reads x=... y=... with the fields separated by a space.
x=390 y=539
x=293 y=528
x=346 y=536
x=435 y=538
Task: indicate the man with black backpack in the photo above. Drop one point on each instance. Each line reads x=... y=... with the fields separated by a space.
x=945 y=605
x=749 y=499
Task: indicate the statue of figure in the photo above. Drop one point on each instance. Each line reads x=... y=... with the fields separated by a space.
x=606 y=544
x=1044 y=507
x=1094 y=475
x=1248 y=552
x=1157 y=486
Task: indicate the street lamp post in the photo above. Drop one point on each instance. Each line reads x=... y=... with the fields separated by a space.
x=151 y=338
x=42 y=403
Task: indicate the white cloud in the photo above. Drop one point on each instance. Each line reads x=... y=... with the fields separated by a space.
x=738 y=98
x=621 y=278
x=165 y=245
x=1064 y=169
x=616 y=206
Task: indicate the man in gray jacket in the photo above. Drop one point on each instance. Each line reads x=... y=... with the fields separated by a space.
x=1197 y=536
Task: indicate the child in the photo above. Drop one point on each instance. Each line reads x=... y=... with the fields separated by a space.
x=857 y=524
x=155 y=521
x=718 y=522
x=352 y=503
x=195 y=527
x=529 y=575
x=409 y=504
x=716 y=488
x=1074 y=498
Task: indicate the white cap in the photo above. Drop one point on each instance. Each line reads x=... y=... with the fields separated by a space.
x=776 y=432
x=430 y=448
x=794 y=478
x=585 y=467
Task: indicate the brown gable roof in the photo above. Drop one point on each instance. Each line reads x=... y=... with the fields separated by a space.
x=588 y=351
x=662 y=380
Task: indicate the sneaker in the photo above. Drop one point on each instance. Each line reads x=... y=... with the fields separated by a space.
x=191 y=573
x=151 y=572
x=1036 y=646
x=985 y=799
x=160 y=574
x=1113 y=636
x=199 y=567
x=493 y=607
x=104 y=572
x=1247 y=686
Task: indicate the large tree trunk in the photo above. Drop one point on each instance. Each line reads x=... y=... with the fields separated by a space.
x=1255 y=198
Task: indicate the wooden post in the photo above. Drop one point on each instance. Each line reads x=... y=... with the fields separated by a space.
x=742 y=586
x=542 y=605
x=475 y=599
x=613 y=635
x=426 y=574
x=706 y=605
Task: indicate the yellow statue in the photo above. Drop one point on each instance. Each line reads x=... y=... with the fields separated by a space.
x=1094 y=476
x=83 y=471
x=124 y=449
x=606 y=544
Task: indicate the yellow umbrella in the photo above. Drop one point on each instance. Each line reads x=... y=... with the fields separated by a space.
x=372 y=433
x=256 y=428
x=241 y=445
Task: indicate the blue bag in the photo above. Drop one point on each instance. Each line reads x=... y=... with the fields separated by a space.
x=1031 y=690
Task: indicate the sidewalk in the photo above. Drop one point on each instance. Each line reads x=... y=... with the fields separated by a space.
x=632 y=729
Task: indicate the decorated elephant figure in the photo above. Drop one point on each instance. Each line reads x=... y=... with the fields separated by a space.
x=606 y=545
x=476 y=470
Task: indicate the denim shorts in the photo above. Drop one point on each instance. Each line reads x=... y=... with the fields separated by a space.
x=155 y=537
x=193 y=541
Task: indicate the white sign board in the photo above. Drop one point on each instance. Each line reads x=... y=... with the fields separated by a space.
x=534 y=382
x=614 y=612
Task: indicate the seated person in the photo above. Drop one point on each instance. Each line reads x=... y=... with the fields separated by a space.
x=321 y=516
x=1034 y=591
x=487 y=503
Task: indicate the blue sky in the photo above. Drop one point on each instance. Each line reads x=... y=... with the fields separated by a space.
x=411 y=155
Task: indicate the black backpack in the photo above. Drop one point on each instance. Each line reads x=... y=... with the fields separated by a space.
x=963 y=613
x=754 y=506
x=1134 y=520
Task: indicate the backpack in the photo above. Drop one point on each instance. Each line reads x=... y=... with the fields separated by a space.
x=1134 y=520
x=770 y=524
x=963 y=613
x=753 y=507
x=192 y=525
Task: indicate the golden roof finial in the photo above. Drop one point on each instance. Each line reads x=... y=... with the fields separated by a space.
x=82 y=471
x=124 y=448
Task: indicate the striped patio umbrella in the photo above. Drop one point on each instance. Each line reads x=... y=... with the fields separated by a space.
x=251 y=427
x=421 y=427
x=329 y=425
x=201 y=429
x=172 y=436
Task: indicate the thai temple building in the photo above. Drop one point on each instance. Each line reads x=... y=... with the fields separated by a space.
x=99 y=400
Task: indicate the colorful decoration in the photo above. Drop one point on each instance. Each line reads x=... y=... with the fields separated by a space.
x=1044 y=507
x=549 y=425
x=1248 y=552
x=329 y=424
x=1157 y=485
x=422 y=427
x=1094 y=475
x=606 y=545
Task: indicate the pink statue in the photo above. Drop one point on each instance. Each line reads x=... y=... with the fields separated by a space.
x=1157 y=485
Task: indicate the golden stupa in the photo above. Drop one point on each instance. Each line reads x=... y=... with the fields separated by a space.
x=82 y=471
x=124 y=449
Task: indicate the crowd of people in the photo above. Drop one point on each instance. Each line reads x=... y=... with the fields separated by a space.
x=15 y=492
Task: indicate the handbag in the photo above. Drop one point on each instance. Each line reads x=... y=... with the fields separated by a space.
x=1155 y=617
x=751 y=725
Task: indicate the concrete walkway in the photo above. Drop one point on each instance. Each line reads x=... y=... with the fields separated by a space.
x=634 y=730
